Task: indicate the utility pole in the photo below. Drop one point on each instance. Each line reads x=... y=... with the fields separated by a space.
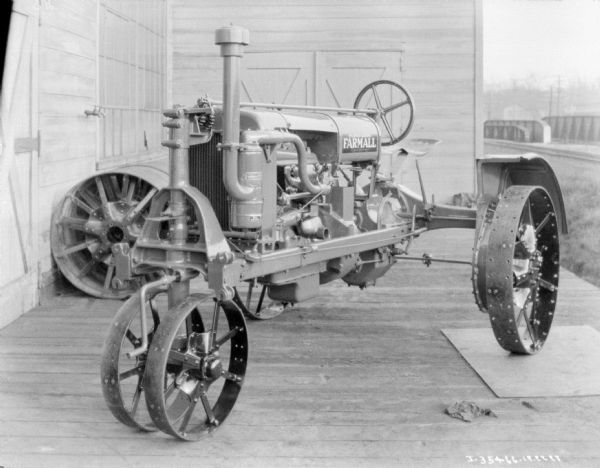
x=558 y=91
x=550 y=105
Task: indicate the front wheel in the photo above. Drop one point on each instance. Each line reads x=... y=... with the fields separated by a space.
x=122 y=376
x=196 y=366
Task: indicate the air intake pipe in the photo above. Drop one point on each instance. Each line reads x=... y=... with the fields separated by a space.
x=232 y=40
x=277 y=138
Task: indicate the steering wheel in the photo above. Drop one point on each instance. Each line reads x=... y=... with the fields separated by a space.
x=402 y=108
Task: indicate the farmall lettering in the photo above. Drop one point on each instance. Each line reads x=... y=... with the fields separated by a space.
x=355 y=144
x=295 y=198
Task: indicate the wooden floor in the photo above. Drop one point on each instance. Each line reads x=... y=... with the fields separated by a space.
x=350 y=379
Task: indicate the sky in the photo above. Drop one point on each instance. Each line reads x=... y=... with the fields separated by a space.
x=541 y=39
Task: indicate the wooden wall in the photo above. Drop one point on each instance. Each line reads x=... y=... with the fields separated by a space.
x=67 y=87
x=439 y=44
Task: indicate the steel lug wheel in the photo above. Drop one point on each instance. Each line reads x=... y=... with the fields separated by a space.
x=196 y=367
x=122 y=376
x=97 y=213
x=518 y=268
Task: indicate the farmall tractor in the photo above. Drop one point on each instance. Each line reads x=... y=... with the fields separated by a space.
x=267 y=202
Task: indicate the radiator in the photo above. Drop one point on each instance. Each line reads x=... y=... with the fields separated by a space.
x=206 y=174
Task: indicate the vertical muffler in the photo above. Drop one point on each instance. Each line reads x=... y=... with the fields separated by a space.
x=232 y=40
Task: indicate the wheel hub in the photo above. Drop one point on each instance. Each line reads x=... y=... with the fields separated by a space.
x=212 y=368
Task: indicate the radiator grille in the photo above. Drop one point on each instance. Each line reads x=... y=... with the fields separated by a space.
x=206 y=174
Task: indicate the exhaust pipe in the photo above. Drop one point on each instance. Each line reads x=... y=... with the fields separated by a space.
x=232 y=40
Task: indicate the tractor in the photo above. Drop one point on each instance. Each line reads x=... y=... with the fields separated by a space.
x=266 y=202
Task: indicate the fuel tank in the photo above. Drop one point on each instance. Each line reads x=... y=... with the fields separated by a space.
x=334 y=138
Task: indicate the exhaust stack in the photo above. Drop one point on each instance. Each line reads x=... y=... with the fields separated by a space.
x=232 y=40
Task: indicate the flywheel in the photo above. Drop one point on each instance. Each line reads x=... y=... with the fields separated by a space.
x=516 y=268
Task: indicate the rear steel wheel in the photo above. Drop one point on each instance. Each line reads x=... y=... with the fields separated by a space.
x=101 y=211
x=122 y=377
x=196 y=366
x=257 y=305
x=519 y=265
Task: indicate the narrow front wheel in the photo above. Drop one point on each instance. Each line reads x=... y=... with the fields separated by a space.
x=196 y=366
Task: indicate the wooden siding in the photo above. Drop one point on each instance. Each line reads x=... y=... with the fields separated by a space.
x=18 y=165
x=440 y=42
x=67 y=58
x=69 y=85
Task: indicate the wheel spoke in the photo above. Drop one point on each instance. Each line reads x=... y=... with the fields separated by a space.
x=380 y=107
x=530 y=330
x=231 y=376
x=81 y=204
x=102 y=194
x=75 y=248
x=207 y=408
x=547 y=285
x=395 y=106
x=528 y=216
x=86 y=268
x=138 y=370
x=543 y=222
x=141 y=205
x=114 y=187
x=131 y=191
x=192 y=405
x=522 y=308
x=77 y=224
x=230 y=334
x=109 y=275
x=137 y=395
x=125 y=186
x=387 y=126
x=134 y=340
x=169 y=389
x=91 y=200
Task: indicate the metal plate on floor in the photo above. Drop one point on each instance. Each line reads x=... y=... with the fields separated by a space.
x=567 y=365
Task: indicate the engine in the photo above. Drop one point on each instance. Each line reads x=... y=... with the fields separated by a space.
x=310 y=174
x=334 y=144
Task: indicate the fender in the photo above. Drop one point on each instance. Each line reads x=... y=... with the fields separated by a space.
x=495 y=173
x=151 y=249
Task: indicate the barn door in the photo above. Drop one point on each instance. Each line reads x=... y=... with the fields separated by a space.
x=322 y=78
x=278 y=77
x=18 y=165
x=341 y=75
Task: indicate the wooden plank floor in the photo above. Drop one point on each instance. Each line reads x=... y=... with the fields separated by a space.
x=351 y=378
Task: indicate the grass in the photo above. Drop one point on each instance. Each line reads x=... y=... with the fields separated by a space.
x=580 y=249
